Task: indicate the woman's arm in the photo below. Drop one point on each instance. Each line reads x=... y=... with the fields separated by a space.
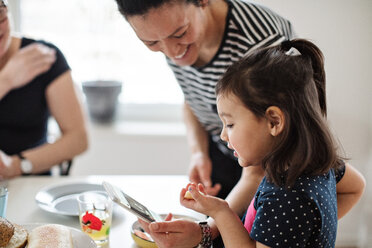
x=200 y=165
x=66 y=108
x=349 y=190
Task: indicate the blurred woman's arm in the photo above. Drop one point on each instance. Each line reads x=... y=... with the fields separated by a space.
x=65 y=106
x=200 y=169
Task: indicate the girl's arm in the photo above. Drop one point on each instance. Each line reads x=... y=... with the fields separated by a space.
x=233 y=232
x=349 y=190
x=228 y=222
x=241 y=195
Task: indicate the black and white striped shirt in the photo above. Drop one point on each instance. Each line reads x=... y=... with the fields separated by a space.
x=248 y=26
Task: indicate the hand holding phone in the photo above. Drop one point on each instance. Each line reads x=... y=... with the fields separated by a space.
x=127 y=202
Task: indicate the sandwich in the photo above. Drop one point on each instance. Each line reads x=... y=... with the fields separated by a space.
x=50 y=235
x=12 y=235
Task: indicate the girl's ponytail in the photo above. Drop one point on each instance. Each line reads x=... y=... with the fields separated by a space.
x=309 y=50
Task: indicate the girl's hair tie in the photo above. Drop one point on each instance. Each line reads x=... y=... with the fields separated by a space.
x=293 y=52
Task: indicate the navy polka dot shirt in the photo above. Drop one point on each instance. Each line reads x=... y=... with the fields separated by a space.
x=304 y=215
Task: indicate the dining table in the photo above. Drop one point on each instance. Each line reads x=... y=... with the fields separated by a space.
x=160 y=193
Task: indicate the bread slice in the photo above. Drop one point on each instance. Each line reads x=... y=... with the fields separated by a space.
x=19 y=238
x=50 y=235
x=6 y=231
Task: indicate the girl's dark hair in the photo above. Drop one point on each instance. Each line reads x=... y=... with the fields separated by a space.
x=294 y=82
x=140 y=7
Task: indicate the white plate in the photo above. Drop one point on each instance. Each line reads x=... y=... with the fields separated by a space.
x=61 y=198
x=79 y=239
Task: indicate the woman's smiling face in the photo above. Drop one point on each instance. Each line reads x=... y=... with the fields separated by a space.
x=175 y=29
x=248 y=135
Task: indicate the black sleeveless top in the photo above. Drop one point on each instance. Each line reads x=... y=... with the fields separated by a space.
x=24 y=112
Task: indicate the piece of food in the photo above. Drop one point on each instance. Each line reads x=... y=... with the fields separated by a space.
x=18 y=239
x=50 y=235
x=189 y=196
x=6 y=231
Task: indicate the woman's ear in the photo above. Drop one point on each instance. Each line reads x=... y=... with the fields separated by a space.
x=276 y=120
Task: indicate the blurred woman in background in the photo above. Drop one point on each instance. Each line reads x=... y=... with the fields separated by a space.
x=35 y=83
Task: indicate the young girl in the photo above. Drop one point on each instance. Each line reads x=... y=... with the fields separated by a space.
x=272 y=104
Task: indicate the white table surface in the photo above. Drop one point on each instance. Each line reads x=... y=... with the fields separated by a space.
x=158 y=193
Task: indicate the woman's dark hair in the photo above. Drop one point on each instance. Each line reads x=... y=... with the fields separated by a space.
x=140 y=7
x=290 y=76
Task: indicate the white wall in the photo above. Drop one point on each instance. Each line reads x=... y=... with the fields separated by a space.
x=342 y=29
x=147 y=139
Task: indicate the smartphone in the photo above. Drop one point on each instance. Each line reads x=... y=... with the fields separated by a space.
x=127 y=202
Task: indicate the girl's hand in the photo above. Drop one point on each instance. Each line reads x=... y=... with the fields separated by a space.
x=201 y=202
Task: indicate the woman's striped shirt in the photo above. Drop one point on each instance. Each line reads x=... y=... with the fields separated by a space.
x=248 y=26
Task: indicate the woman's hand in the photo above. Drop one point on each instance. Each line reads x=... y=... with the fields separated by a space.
x=9 y=166
x=173 y=234
x=26 y=64
x=202 y=202
x=200 y=172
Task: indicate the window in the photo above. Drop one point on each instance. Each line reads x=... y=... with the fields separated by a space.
x=99 y=44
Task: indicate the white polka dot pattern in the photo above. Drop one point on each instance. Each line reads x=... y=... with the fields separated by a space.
x=304 y=215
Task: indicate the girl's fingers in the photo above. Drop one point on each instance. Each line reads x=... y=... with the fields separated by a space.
x=201 y=188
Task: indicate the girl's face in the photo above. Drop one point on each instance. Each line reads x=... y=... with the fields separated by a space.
x=176 y=29
x=4 y=30
x=246 y=134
